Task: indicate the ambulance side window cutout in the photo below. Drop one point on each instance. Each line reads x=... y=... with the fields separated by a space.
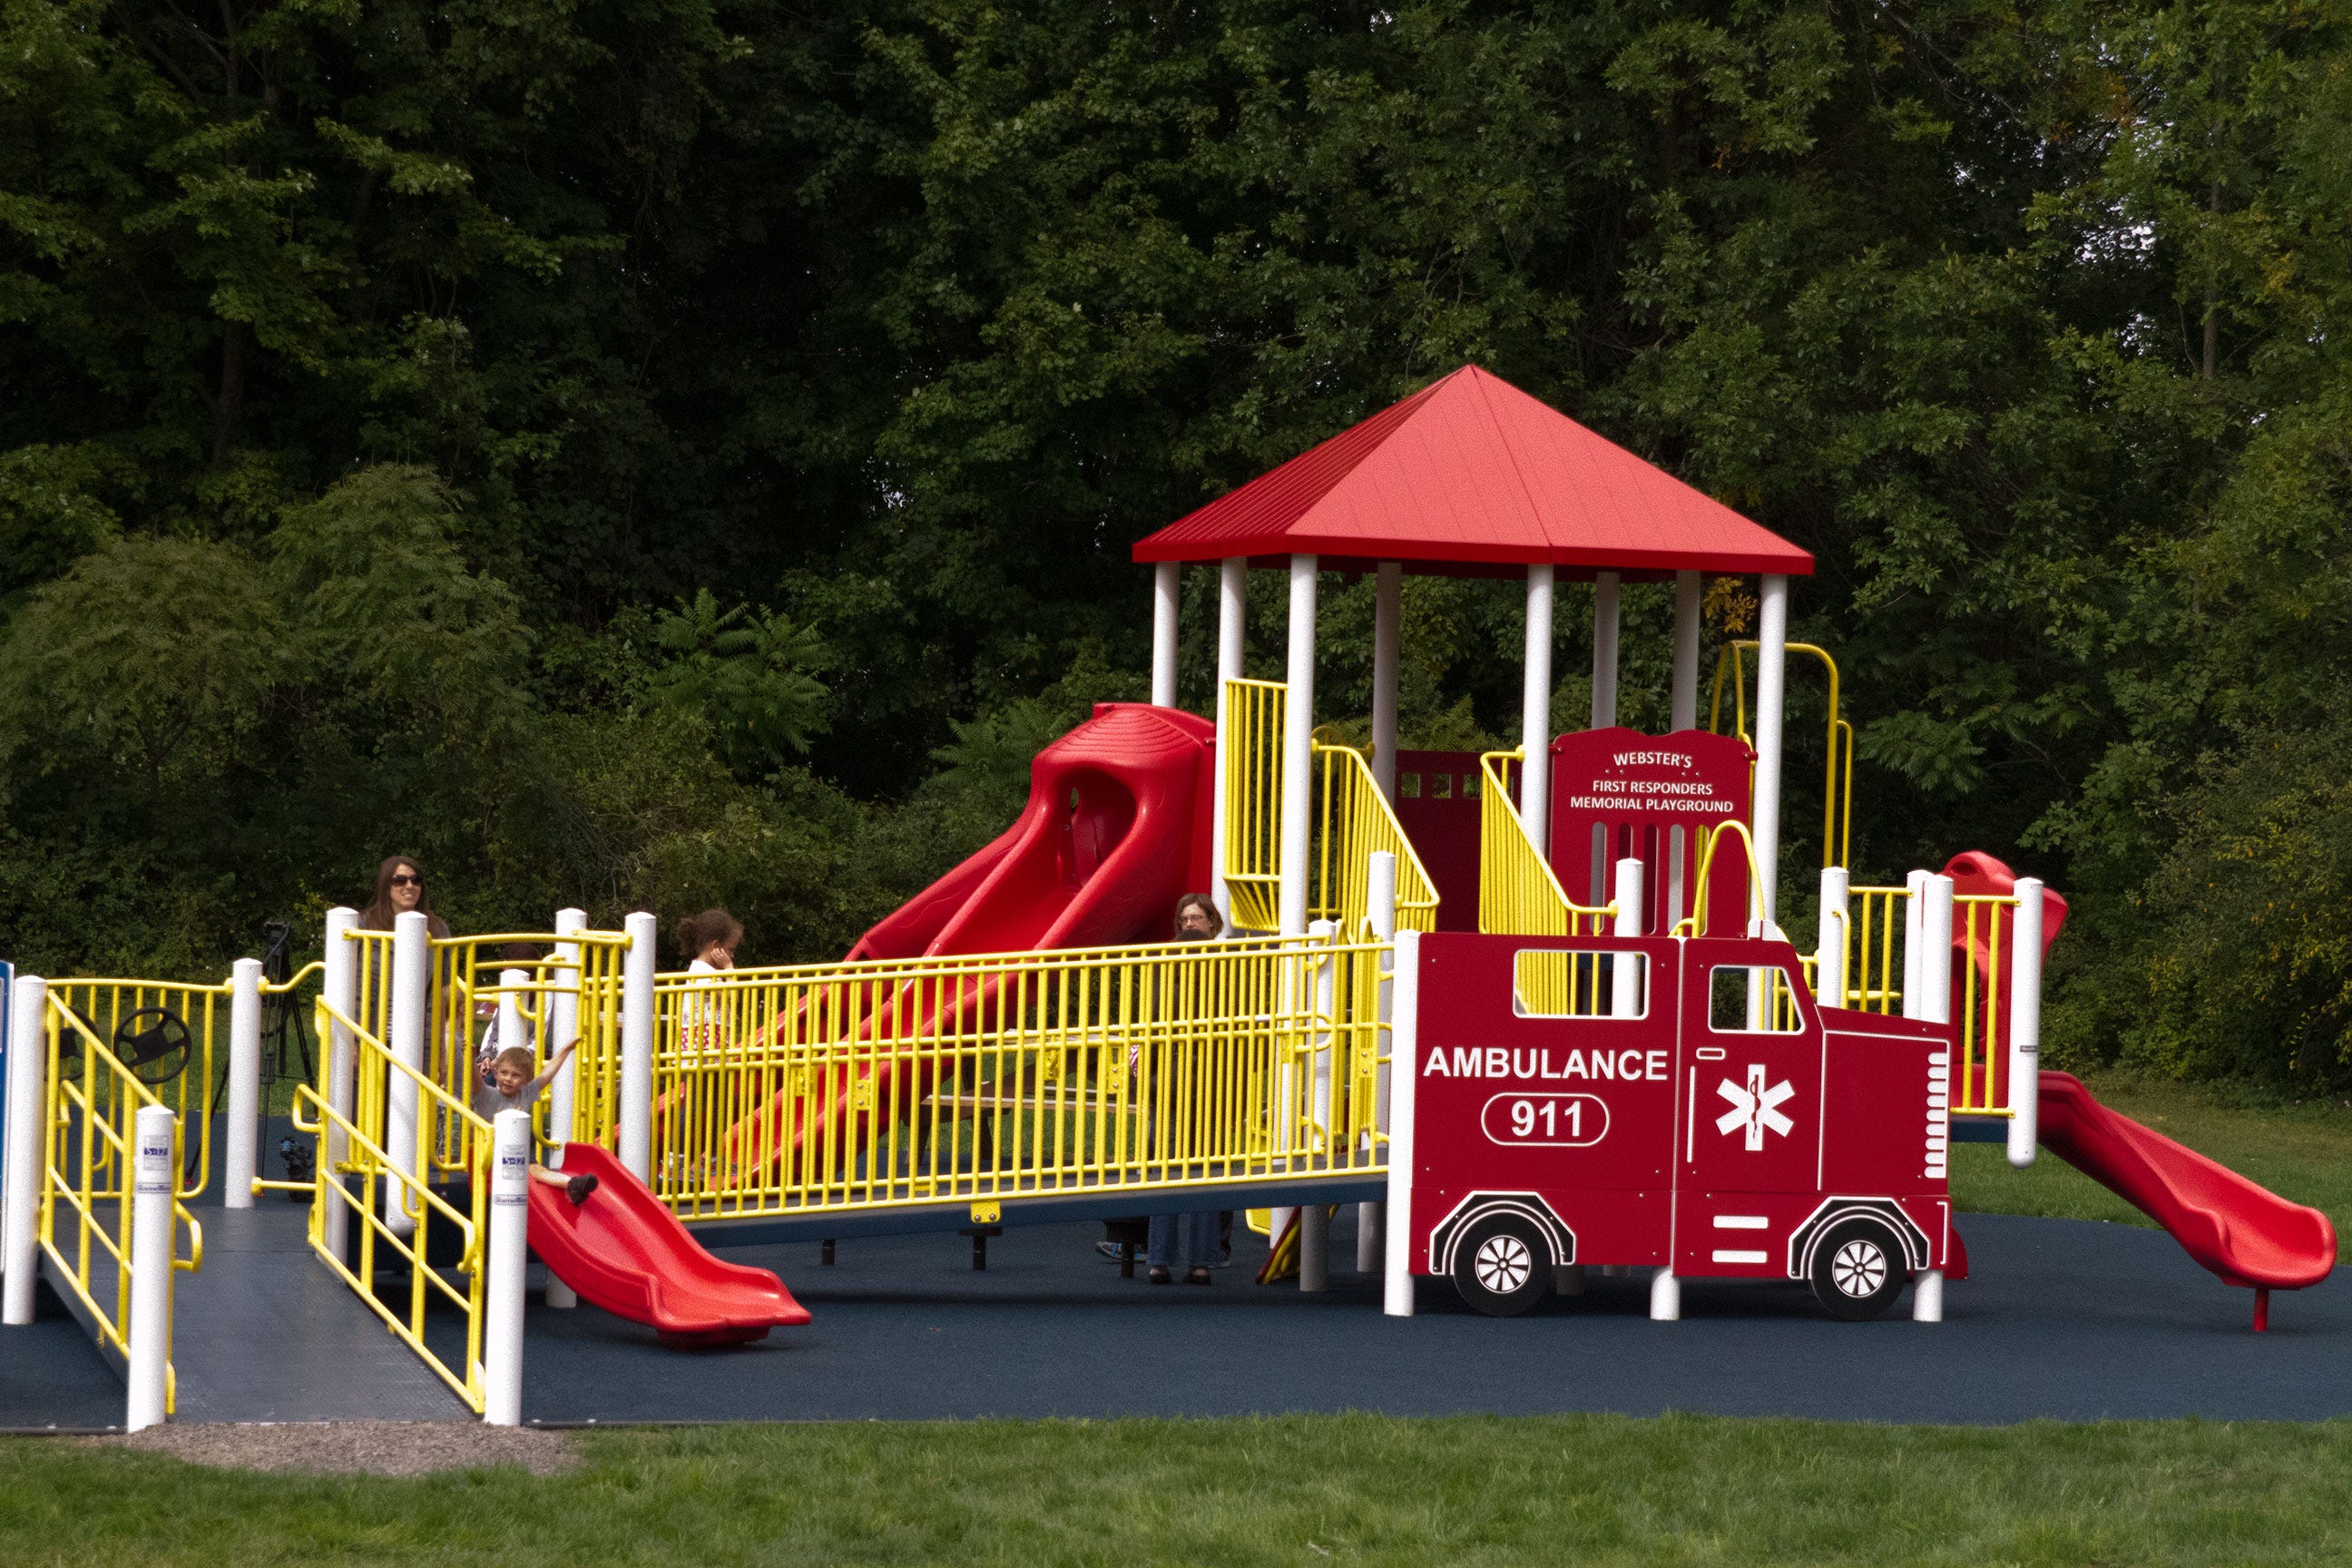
x=1553 y=983
x=1409 y=785
x=1742 y=1001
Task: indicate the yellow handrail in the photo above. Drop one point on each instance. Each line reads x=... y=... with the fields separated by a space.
x=366 y=1136
x=1252 y=763
x=1518 y=894
x=986 y=1079
x=1694 y=924
x=181 y=1080
x=1357 y=822
x=88 y=1120
x=1837 y=817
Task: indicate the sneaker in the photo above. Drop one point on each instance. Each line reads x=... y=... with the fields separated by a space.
x=1109 y=1250
x=578 y=1188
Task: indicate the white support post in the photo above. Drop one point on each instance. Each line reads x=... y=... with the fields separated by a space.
x=1605 y=650
x=340 y=987
x=244 y=1152
x=1396 y=1280
x=1686 y=628
x=512 y=1034
x=412 y=988
x=1935 y=979
x=1534 y=714
x=1626 y=969
x=1935 y=951
x=503 y=1308
x=1915 y=910
x=2025 y=1024
x=1771 y=691
x=1830 y=941
x=1164 y=584
x=1314 y=1219
x=564 y=1027
x=1928 y=1296
x=154 y=1175
x=1380 y=901
x=1665 y=1296
x=28 y=1061
x=1233 y=621
x=1388 y=646
x=637 y=1048
x=1297 y=748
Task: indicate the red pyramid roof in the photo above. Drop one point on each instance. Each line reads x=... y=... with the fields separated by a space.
x=1471 y=472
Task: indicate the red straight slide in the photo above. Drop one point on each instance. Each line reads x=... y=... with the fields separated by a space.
x=2245 y=1234
x=623 y=1251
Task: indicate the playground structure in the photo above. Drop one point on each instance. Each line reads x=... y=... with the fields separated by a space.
x=1015 y=1044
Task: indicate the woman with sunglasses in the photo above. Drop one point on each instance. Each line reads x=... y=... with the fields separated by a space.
x=400 y=887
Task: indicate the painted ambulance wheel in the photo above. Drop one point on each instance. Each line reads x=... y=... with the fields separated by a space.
x=1503 y=1266
x=1858 y=1271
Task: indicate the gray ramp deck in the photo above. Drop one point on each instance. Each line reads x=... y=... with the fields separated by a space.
x=267 y=1332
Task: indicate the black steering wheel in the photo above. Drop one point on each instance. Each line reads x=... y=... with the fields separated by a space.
x=153 y=1044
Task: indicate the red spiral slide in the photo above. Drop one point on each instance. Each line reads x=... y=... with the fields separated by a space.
x=2244 y=1233
x=623 y=1251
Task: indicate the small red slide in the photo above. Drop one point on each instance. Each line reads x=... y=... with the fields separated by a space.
x=2246 y=1233
x=623 y=1251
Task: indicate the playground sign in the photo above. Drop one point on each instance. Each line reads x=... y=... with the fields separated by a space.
x=1619 y=793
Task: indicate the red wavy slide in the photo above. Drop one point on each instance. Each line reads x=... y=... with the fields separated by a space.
x=1116 y=829
x=2244 y=1233
x=623 y=1251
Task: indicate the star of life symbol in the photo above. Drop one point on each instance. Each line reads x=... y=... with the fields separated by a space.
x=1755 y=1108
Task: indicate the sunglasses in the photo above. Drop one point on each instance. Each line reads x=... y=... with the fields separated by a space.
x=404 y=880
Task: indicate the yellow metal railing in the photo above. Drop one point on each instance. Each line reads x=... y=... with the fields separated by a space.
x=1251 y=741
x=163 y=1034
x=1874 y=925
x=1696 y=923
x=1837 y=781
x=1519 y=896
x=402 y=1185
x=984 y=1080
x=1873 y=952
x=84 y=1214
x=1357 y=822
x=468 y=991
x=1982 y=922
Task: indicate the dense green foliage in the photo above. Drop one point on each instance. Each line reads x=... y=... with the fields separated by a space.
x=648 y=452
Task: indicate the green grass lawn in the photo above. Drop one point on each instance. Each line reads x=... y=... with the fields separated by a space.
x=1302 y=1490
x=2300 y=1151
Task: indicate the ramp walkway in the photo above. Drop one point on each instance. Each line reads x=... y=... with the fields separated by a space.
x=265 y=1332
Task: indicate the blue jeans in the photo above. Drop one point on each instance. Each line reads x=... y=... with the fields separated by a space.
x=1183 y=1240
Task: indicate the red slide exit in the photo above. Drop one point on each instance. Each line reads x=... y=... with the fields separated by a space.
x=625 y=1252
x=2246 y=1233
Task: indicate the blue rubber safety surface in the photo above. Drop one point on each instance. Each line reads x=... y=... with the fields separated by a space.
x=52 y=1376
x=2061 y=1319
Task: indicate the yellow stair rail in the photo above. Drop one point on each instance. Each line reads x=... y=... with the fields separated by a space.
x=1837 y=784
x=83 y=1214
x=1357 y=822
x=1518 y=894
x=1251 y=745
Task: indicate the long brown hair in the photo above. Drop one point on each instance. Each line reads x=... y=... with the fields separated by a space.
x=1204 y=903
x=378 y=914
